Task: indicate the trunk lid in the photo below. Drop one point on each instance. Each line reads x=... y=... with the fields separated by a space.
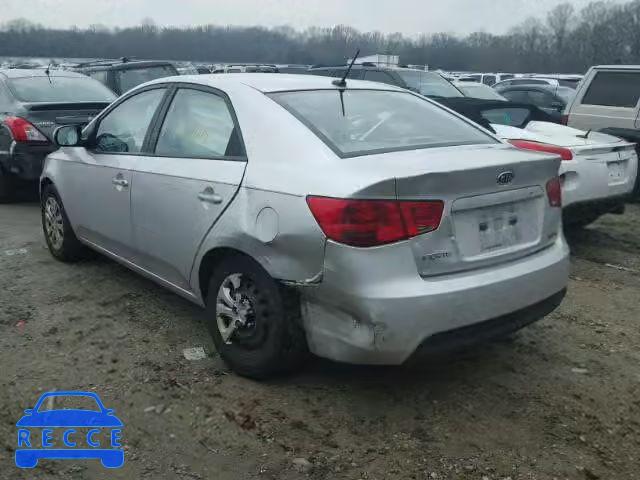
x=496 y=205
x=46 y=117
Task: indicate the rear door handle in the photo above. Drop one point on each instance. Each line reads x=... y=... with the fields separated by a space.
x=210 y=196
x=119 y=181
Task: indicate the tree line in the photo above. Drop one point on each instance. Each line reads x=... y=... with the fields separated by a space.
x=566 y=40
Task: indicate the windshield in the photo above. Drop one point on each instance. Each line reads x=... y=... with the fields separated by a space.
x=376 y=121
x=60 y=90
x=429 y=84
x=132 y=77
x=479 y=91
x=69 y=402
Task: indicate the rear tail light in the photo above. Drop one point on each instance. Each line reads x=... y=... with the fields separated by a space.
x=564 y=153
x=367 y=223
x=554 y=192
x=23 y=131
x=564 y=119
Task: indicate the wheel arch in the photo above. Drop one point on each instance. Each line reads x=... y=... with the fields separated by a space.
x=211 y=259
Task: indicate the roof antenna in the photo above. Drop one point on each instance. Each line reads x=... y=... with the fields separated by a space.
x=47 y=72
x=342 y=83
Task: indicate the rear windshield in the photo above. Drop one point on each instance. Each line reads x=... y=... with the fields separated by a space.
x=378 y=121
x=428 y=84
x=60 y=89
x=132 y=77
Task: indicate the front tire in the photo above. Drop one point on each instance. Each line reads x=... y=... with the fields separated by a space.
x=255 y=322
x=61 y=240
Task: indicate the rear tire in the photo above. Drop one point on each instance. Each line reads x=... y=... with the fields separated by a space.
x=268 y=339
x=61 y=240
x=7 y=189
x=581 y=222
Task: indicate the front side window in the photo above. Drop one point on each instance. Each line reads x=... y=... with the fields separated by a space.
x=614 y=89
x=516 y=96
x=540 y=99
x=377 y=121
x=132 y=77
x=56 y=89
x=124 y=129
x=198 y=125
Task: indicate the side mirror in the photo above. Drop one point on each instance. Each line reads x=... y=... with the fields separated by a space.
x=29 y=411
x=67 y=136
x=557 y=106
x=109 y=411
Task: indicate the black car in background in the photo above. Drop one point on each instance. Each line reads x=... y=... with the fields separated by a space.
x=552 y=99
x=32 y=104
x=124 y=74
x=430 y=84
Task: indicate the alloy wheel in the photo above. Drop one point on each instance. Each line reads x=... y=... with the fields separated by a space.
x=240 y=311
x=53 y=223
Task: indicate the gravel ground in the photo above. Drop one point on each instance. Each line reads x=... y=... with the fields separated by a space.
x=560 y=400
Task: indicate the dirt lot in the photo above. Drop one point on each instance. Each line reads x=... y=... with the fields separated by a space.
x=560 y=400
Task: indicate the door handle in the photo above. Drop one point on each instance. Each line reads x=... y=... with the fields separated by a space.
x=210 y=196
x=120 y=182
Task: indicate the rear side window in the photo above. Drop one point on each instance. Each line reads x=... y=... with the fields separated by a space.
x=489 y=79
x=59 y=89
x=378 y=121
x=198 y=125
x=380 y=76
x=132 y=77
x=101 y=76
x=511 y=116
x=614 y=89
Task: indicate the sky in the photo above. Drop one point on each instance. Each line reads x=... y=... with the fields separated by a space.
x=407 y=16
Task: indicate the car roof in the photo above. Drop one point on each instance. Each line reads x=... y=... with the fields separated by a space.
x=119 y=65
x=27 y=73
x=273 y=82
x=617 y=67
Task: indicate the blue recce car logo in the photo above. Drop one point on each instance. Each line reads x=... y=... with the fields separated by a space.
x=67 y=418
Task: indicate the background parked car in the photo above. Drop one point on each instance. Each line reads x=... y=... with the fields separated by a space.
x=484 y=78
x=570 y=81
x=363 y=236
x=477 y=90
x=124 y=74
x=430 y=84
x=607 y=100
x=552 y=100
x=33 y=104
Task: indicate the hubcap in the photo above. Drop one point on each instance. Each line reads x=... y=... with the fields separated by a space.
x=53 y=223
x=236 y=310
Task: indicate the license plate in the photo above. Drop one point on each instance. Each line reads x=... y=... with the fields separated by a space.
x=616 y=171
x=498 y=227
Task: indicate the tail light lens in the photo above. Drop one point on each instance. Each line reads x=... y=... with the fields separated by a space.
x=23 y=131
x=554 y=192
x=564 y=153
x=368 y=223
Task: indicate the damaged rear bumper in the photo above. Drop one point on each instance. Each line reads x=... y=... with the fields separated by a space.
x=367 y=313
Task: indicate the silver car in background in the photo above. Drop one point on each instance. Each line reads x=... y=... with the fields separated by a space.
x=361 y=222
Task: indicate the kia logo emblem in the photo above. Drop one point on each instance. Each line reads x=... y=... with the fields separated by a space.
x=505 y=178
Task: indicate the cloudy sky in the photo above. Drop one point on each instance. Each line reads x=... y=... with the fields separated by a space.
x=407 y=16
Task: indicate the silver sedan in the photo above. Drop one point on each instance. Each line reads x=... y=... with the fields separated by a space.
x=362 y=223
